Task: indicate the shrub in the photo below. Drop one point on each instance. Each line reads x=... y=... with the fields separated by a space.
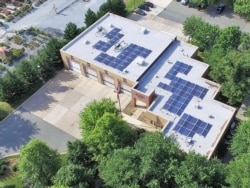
x=2 y=68
x=2 y=166
x=5 y=110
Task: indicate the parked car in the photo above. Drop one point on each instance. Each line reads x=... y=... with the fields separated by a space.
x=184 y=2
x=149 y=4
x=144 y=7
x=140 y=12
x=220 y=8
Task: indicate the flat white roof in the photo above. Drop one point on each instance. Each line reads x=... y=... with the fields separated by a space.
x=201 y=108
x=121 y=41
x=159 y=62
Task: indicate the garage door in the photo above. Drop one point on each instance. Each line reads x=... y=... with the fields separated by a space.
x=125 y=88
x=74 y=66
x=91 y=73
x=108 y=81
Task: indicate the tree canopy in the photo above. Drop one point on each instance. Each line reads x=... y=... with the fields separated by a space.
x=239 y=171
x=38 y=164
x=241 y=140
x=71 y=31
x=227 y=52
x=94 y=111
x=150 y=163
x=197 y=171
x=110 y=133
x=73 y=176
x=242 y=7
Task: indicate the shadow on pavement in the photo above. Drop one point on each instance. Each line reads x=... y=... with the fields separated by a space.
x=15 y=131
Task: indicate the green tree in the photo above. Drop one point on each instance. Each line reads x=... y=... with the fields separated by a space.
x=201 y=34
x=44 y=67
x=94 y=111
x=228 y=38
x=114 y=6
x=244 y=45
x=52 y=51
x=242 y=7
x=71 y=31
x=121 y=169
x=90 y=18
x=241 y=140
x=29 y=73
x=239 y=171
x=152 y=162
x=38 y=163
x=12 y=87
x=110 y=133
x=79 y=154
x=231 y=70
x=73 y=176
x=5 y=110
x=159 y=159
x=197 y=171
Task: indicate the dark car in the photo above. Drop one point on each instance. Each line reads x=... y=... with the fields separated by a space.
x=140 y=12
x=149 y=4
x=144 y=7
x=220 y=8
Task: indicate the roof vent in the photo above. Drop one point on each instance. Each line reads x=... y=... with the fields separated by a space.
x=143 y=30
x=140 y=61
x=100 y=29
x=125 y=71
x=111 y=25
x=86 y=42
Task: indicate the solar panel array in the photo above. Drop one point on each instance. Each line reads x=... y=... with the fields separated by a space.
x=183 y=90
x=178 y=67
x=114 y=36
x=189 y=125
x=124 y=58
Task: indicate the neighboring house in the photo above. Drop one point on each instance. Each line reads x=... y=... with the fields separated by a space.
x=155 y=68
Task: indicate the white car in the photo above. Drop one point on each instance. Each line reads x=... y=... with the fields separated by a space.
x=184 y=2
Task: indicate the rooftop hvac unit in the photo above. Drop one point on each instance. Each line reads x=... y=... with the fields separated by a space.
x=143 y=30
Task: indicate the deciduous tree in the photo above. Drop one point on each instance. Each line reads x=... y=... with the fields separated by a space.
x=94 y=111
x=38 y=164
x=73 y=176
x=197 y=171
x=239 y=171
x=241 y=140
x=110 y=133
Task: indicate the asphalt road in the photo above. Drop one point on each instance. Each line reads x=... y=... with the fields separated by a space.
x=21 y=126
x=177 y=12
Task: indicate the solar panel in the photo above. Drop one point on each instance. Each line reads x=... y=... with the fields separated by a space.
x=189 y=125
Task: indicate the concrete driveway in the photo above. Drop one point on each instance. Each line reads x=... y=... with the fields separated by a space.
x=52 y=113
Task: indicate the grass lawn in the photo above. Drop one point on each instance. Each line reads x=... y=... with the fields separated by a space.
x=132 y=4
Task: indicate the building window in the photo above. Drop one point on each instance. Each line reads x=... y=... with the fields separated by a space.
x=124 y=80
x=106 y=72
x=88 y=64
